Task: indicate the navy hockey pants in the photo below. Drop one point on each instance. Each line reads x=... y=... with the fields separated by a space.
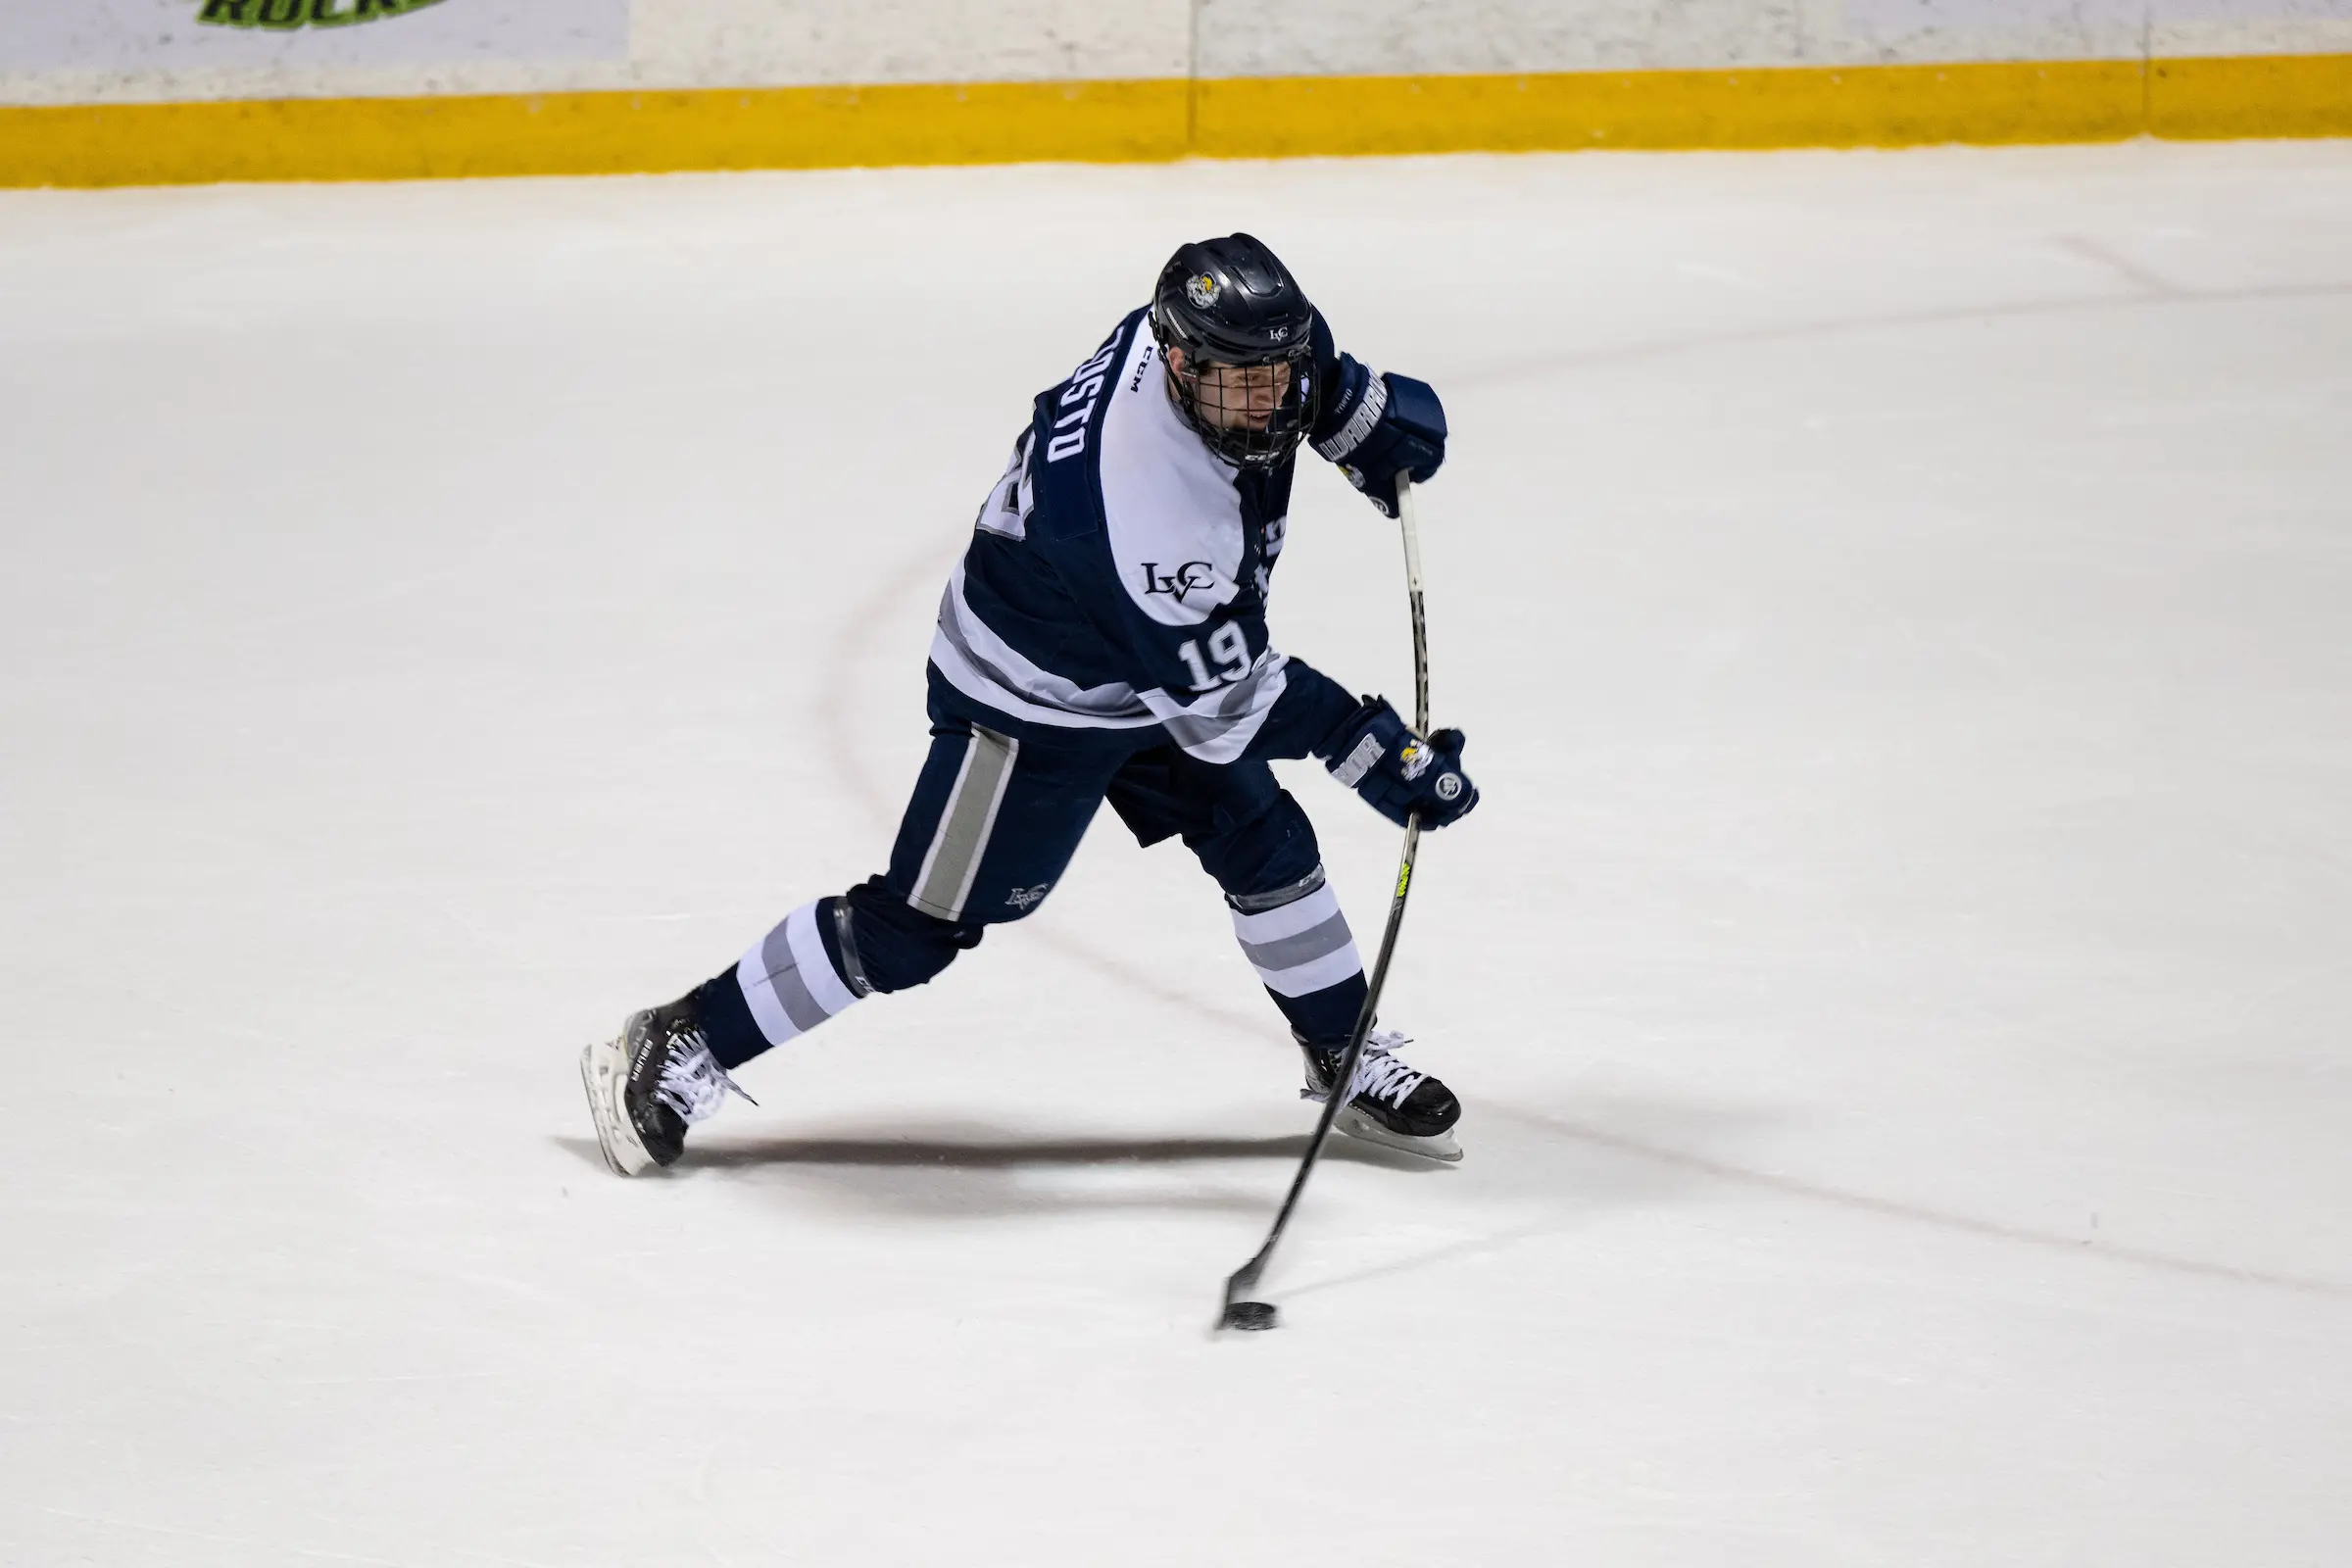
x=992 y=825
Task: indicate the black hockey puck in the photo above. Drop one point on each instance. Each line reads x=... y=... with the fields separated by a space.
x=1249 y=1315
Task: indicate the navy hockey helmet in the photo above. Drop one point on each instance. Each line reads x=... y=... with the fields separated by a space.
x=1245 y=334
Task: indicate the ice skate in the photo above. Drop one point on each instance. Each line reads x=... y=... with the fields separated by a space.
x=1391 y=1105
x=648 y=1084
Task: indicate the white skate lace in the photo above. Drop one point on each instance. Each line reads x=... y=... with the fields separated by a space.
x=693 y=1083
x=1379 y=1075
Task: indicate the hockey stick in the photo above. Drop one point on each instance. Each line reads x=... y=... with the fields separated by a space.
x=1241 y=1312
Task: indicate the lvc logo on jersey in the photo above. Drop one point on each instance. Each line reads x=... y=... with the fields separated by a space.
x=287 y=15
x=1183 y=581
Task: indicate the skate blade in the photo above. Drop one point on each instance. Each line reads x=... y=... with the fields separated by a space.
x=604 y=1068
x=1356 y=1124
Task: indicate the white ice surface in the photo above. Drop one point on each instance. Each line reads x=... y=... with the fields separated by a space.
x=1901 y=606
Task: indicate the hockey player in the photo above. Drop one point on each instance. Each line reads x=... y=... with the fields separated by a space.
x=1105 y=638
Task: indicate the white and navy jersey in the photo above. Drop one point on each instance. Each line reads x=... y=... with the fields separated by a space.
x=1118 y=572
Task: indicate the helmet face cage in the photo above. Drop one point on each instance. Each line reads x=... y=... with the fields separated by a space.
x=1253 y=414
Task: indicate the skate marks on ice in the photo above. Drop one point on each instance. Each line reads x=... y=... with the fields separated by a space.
x=1580 y=1188
x=1921 y=1214
x=2149 y=293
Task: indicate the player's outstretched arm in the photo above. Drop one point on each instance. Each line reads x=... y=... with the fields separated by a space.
x=1399 y=773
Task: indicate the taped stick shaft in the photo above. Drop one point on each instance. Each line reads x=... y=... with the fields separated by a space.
x=1408 y=525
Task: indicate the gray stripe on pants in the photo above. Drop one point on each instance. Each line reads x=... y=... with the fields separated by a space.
x=964 y=826
x=1289 y=953
x=784 y=973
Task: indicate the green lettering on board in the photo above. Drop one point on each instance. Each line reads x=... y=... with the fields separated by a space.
x=287 y=16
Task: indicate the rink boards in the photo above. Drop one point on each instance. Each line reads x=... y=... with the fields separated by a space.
x=1119 y=122
x=108 y=92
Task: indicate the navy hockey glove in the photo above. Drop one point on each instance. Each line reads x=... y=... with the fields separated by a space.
x=1380 y=427
x=1397 y=772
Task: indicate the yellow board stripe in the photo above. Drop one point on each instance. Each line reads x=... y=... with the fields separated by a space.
x=1123 y=121
x=2251 y=95
x=1879 y=106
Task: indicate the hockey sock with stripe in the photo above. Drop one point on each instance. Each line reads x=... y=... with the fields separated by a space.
x=1298 y=941
x=793 y=979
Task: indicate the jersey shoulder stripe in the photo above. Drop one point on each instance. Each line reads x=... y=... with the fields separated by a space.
x=986 y=667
